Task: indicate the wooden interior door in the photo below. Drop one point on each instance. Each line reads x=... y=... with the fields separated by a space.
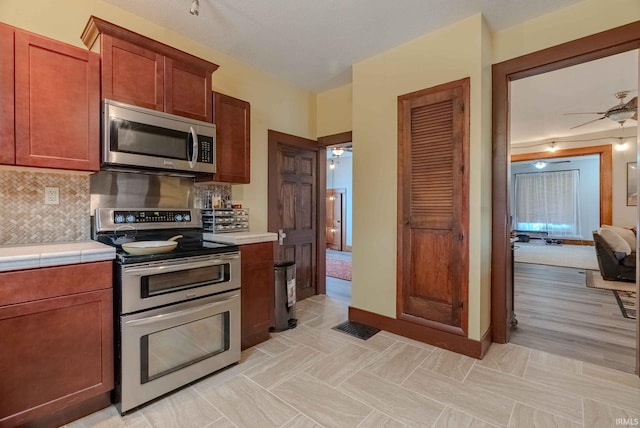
x=335 y=219
x=433 y=208
x=293 y=187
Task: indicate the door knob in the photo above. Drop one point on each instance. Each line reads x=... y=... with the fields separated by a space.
x=281 y=236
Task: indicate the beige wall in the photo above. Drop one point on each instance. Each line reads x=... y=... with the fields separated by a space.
x=335 y=111
x=452 y=53
x=275 y=104
x=573 y=22
x=466 y=48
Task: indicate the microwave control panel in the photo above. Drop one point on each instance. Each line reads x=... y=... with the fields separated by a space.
x=205 y=149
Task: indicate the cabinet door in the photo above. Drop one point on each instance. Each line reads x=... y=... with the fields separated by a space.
x=55 y=353
x=187 y=90
x=132 y=74
x=7 y=137
x=57 y=104
x=233 y=139
x=257 y=292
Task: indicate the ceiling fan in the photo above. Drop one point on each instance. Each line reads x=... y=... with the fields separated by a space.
x=618 y=113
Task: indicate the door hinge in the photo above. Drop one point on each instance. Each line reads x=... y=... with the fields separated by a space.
x=460 y=237
x=461 y=169
x=460 y=107
x=460 y=305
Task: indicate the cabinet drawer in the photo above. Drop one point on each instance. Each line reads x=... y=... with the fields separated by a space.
x=35 y=284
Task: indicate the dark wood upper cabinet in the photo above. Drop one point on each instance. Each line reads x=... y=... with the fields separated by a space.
x=140 y=71
x=50 y=103
x=7 y=96
x=132 y=74
x=433 y=212
x=233 y=139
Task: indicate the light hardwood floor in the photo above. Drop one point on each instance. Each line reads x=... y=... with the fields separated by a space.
x=557 y=313
x=313 y=376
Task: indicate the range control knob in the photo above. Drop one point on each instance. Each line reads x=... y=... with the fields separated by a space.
x=178 y=217
x=119 y=218
x=187 y=217
x=130 y=218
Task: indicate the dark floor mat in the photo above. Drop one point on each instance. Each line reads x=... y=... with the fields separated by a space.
x=356 y=329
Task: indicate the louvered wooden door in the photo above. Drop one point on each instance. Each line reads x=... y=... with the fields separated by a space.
x=433 y=207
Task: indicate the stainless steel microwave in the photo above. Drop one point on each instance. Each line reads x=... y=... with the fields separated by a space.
x=136 y=138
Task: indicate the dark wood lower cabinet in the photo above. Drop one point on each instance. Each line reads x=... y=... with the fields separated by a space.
x=57 y=346
x=258 y=292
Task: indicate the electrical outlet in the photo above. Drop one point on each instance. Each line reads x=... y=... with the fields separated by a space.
x=51 y=196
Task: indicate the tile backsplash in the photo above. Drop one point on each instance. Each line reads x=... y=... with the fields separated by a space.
x=24 y=217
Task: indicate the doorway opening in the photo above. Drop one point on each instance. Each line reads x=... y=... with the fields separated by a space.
x=580 y=51
x=338 y=225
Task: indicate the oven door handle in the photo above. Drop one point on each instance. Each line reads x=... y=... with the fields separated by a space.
x=185 y=312
x=176 y=267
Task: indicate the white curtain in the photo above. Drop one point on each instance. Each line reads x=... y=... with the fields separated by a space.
x=548 y=202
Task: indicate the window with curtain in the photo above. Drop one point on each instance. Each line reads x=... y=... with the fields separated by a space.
x=548 y=202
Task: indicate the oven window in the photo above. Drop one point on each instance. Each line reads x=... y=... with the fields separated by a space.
x=162 y=283
x=172 y=349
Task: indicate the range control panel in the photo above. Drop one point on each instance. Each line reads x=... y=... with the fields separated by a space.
x=152 y=216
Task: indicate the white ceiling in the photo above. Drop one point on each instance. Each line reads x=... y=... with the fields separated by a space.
x=313 y=43
x=538 y=103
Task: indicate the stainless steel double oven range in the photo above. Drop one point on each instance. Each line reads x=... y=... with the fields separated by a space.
x=177 y=313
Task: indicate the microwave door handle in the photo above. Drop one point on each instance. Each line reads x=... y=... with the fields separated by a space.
x=194 y=151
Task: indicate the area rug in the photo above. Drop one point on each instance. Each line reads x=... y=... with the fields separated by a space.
x=627 y=302
x=537 y=252
x=338 y=268
x=594 y=280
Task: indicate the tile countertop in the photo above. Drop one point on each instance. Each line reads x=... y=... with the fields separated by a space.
x=240 y=238
x=31 y=256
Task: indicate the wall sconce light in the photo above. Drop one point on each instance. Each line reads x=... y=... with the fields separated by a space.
x=332 y=165
x=195 y=8
x=331 y=198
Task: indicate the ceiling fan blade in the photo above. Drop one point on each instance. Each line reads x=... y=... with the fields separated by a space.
x=586 y=123
x=586 y=112
x=564 y=161
x=633 y=102
x=635 y=116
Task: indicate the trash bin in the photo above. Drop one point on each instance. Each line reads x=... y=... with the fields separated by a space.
x=285 y=283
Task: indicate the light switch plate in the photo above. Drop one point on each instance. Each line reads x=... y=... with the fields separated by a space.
x=51 y=196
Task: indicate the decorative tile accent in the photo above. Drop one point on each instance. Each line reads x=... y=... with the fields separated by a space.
x=204 y=192
x=25 y=217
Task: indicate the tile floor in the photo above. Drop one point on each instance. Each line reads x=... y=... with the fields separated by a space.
x=313 y=376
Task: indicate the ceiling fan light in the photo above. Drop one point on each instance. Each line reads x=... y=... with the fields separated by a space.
x=337 y=151
x=621 y=115
x=540 y=164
